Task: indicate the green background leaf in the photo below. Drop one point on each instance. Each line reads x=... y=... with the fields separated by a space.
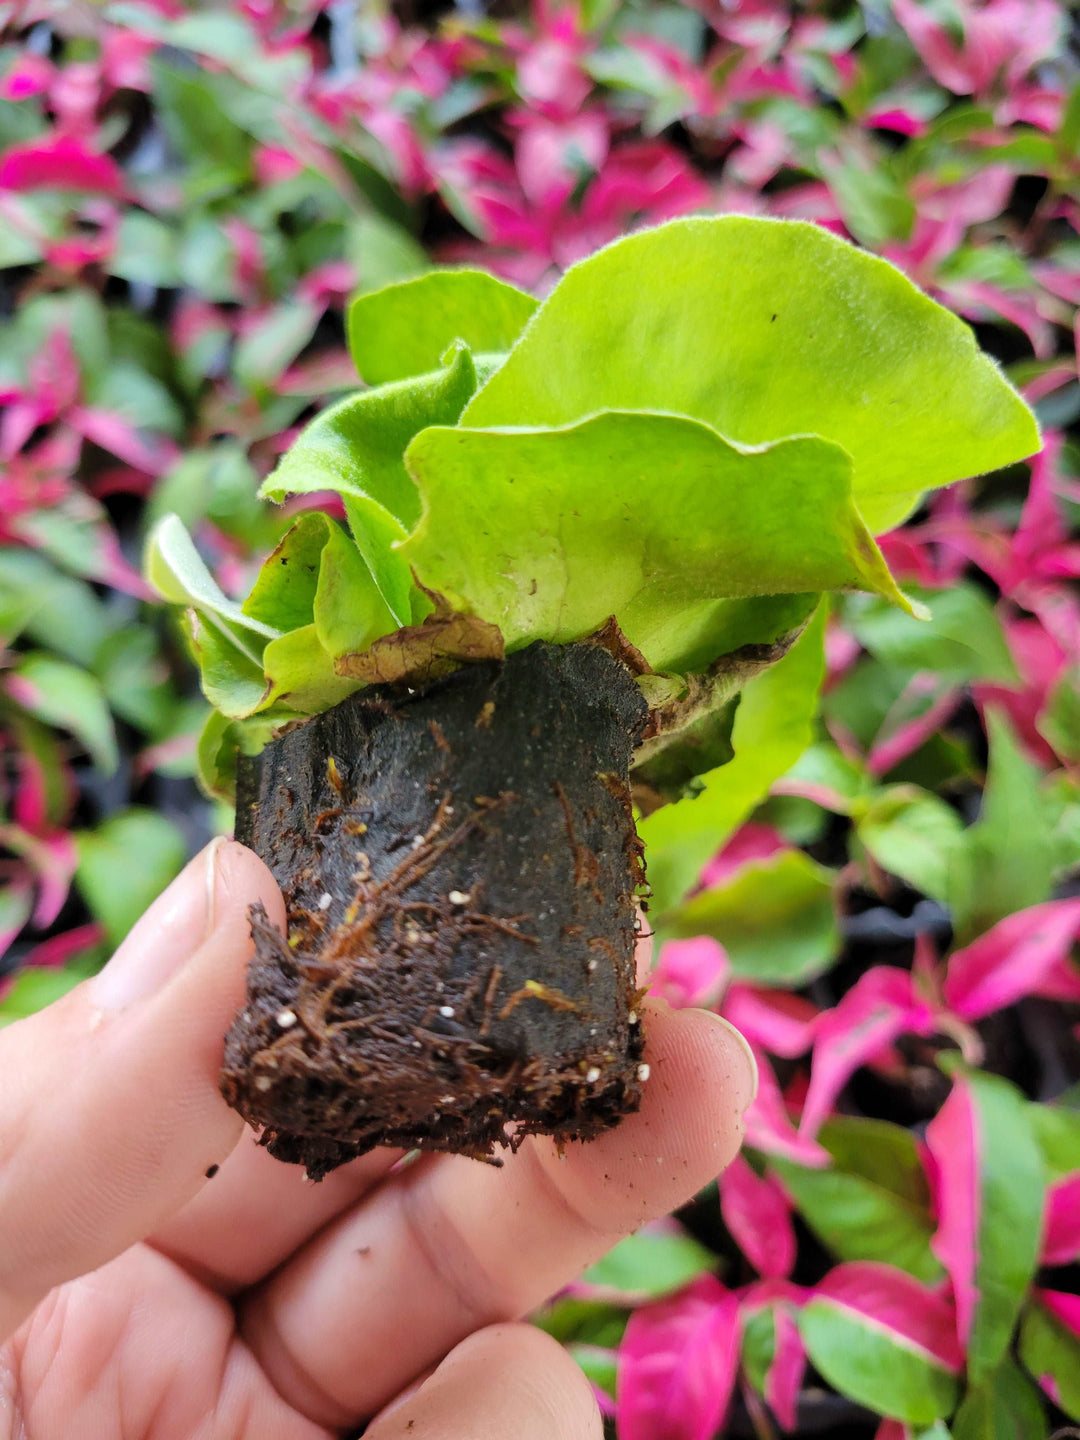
x=873 y=1202
x=651 y=1263
x=1006 y=862
x=65 y=695
x=774 y=917
x=125 y=864
x=1048 y=1349
x=864 y=1361
x=773 y=726
x=1012 y=1181
x=1006 y=1407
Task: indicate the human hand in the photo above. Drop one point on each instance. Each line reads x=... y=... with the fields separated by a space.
x=140 y=1298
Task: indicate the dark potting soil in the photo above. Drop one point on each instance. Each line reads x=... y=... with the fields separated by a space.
x=459 y=869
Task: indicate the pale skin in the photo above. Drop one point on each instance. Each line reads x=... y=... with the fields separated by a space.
x=141 y=1299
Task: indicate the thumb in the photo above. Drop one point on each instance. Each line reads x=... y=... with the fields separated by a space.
x=111 y=1115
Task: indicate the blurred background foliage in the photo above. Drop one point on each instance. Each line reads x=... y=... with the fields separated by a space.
x=188 y=197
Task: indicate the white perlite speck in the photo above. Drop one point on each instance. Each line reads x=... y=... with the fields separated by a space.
x=459 y=897
x=446 y=1011
x=643 y=1073
x=592 y=1074
x=325 y=900
x=286 y=1019
x=263 y=1082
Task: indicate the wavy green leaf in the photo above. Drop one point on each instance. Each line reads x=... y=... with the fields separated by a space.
x=356 y=448
x=649 y=518
x=179 y=574
x=405 y=329
x=764 y=329
x=301 y=674
x=231 y=679
x=223 y=739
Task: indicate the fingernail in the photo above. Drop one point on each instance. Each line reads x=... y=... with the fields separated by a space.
x=172 y=929
x=743 y=1045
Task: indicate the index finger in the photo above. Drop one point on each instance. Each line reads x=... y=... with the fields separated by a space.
x=387 y=1290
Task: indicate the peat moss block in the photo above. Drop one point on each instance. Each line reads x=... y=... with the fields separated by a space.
x=459 y=869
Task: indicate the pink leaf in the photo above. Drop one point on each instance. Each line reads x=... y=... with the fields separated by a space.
x=952 y=1138
x=768 y=1124
x=751 y=842
x=1063 y=1307
x=274 y=163
x=903 y=121
x=56 y=866
x=758 y=1214
x=551 y=156
x=59 y=949
x=891 y=1299
x=1061 y=1232
x=784 y=1381
x=892 y=1430
x=879 y=1007
x=1002 y=35
x=114 y=434
x=51 y=857
x=907 y=737
x=777 y=1020
x=30 y=75
x=677 y=1365
x=1040 y=659
x=18 y=898
x=1012 y=959
x=691 y=972
x=60 y=162
x=30 y=809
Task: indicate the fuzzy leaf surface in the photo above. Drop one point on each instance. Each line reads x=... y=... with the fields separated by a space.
x=356 y=447
x=650 y=518
x=764 y=329
x=404 y=329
